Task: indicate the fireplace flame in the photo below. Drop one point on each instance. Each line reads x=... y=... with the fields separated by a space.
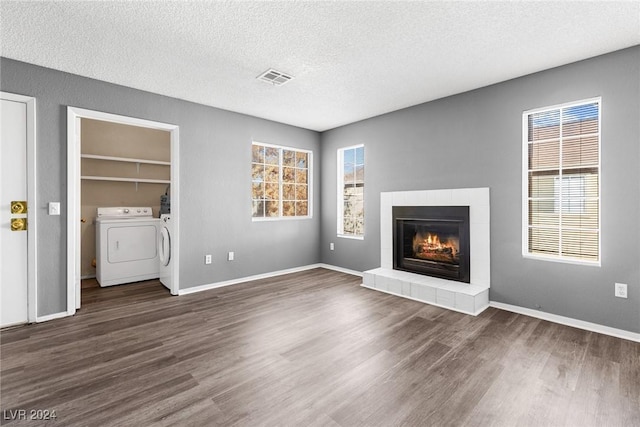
x=429 y=246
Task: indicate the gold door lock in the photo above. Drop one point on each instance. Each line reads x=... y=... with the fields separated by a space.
x=18 y=207
x=18 y=224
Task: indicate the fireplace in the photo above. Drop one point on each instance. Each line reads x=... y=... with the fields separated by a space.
x=432 y=240
x=462 y=280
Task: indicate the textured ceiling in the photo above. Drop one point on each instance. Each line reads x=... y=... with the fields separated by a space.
x=351 y=60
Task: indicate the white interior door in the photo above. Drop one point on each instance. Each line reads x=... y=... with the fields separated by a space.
x=13 y=239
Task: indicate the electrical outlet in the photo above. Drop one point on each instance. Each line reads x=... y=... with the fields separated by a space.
x=231 y=256
x=207 y=259
x=621 y=290
x=331 y=246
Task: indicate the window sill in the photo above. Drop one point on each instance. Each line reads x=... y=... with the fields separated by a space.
x=280 y=218
x=562 y=260
x=349 y=236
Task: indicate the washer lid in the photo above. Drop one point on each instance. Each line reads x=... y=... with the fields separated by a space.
x=128 y=222
x=125 y=212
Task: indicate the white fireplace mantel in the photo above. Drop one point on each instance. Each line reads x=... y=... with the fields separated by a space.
x=471 y=298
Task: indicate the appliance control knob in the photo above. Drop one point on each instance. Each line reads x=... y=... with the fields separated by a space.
x=138 y=210
x=126 y=211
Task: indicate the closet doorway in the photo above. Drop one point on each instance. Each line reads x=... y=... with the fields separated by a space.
x=112 y=174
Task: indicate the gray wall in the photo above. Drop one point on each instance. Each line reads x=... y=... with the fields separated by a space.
x=475 y=140
x=215 y=180
x=411 y=149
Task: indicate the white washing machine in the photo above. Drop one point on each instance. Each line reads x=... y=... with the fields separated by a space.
x=126 y=245
x=164 y=250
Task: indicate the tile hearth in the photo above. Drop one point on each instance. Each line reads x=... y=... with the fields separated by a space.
x=470 y=298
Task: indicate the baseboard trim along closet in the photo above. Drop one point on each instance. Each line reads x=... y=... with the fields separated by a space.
x=53 y=316
x=568 y=321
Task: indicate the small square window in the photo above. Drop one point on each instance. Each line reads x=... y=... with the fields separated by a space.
x=280 y=182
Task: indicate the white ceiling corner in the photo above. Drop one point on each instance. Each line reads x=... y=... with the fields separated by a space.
x=351 y=60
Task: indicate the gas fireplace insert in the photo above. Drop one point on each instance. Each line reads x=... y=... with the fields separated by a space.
x=432 y=240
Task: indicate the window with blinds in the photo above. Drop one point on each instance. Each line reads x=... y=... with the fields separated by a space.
x=562 y=182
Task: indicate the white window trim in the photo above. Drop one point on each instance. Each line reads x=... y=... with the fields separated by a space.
x=309 y=184
x=340 y=190
x=525 y=187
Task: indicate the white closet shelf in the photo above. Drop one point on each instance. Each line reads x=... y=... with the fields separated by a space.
x=124 y=159
x=118 y=179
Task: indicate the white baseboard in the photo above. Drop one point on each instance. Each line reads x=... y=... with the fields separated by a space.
x=88 y=276
x=51 y=316
x=265 y=276
x=568 y=321
x=245 y=279
x=340 y=269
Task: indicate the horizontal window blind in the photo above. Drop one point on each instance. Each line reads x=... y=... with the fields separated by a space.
x=563 y=182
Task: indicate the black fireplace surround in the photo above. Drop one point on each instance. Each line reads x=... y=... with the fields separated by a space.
x=432 y=240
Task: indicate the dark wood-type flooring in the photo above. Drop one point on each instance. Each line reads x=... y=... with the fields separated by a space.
x=311 y=348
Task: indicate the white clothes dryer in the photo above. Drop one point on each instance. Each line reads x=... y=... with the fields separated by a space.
x=164 y=250
x=126 y=245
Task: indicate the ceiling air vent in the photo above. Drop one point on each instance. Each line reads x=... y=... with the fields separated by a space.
x=274 y=77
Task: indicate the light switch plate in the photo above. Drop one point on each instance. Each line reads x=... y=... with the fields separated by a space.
x=54 y=208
